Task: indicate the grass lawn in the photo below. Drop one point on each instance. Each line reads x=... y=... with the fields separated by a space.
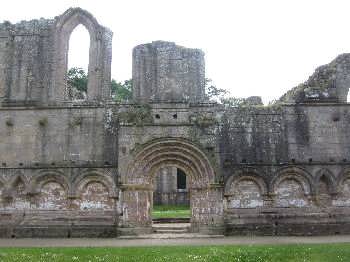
x=270 y=253
x=170 y=211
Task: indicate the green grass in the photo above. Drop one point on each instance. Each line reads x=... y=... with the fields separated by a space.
x=170 y=211
x=259 y=253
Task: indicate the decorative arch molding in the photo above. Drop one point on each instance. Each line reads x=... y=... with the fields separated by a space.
x=2 y=183
x=16 y=192
x=8 y=175
x=99 y=70
x=18 y=178
x=248 y=174
x=178 y=152
x=331 y=180
x=296 y=173
x=90 y=176
x=46 y=176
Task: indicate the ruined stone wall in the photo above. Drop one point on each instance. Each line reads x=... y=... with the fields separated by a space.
x=72 y=168
x=25 y=67
x=329 y=83
x=34 y=58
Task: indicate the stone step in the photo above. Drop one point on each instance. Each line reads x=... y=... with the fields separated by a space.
x=172 y=225
x=171 y=228
x=171 y=236
x=171 y=220
x=171 y=231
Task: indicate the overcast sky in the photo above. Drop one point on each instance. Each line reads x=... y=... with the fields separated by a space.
x=252 y=47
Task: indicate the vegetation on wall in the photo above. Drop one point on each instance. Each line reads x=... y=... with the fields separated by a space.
x=77 y=81
x=137 y=115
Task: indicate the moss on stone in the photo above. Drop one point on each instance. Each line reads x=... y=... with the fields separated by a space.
x=138 y=114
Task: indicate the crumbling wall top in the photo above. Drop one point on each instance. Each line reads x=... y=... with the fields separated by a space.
x=329 y=83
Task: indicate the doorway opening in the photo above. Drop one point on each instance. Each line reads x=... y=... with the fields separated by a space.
x=171 y=209
x=171 y=196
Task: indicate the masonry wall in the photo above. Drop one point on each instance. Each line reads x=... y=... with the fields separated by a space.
x=67 y=168
x=58 y=172
x=286 y=170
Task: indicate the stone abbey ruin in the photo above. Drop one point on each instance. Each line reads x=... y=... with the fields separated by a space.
x=87 y=168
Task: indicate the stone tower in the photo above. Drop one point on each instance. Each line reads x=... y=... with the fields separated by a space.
x=165 y=72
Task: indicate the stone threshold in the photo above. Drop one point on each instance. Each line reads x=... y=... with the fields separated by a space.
x=171 y=236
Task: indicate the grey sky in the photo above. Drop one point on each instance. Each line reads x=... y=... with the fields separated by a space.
x=252 y=47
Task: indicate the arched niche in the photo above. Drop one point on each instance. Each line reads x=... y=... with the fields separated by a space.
x=94 y=191
x=99 y=75
x=343 y=190
x=245 y=191
x=325 y=187
x=18 y=194
x=291 y=190
x=51 y=188
x=52 y=196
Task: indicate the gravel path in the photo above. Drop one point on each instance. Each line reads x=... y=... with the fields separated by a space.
x=113 y=242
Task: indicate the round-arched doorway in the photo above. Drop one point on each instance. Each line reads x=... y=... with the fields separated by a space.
x=206 y=195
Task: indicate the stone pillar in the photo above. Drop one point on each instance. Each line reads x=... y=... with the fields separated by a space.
x=207 y=209
x=136 y=209
x=269 y=200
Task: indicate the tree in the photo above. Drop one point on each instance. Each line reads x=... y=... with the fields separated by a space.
x=232 y=101
x=77 y=81
x=121 y=91
x=77 y=78
x=212 y=92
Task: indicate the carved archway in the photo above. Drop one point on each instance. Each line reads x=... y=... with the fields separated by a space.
x=206 y=194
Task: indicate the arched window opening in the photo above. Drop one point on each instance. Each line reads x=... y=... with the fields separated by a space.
x=181 y=179
x=78 y=63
